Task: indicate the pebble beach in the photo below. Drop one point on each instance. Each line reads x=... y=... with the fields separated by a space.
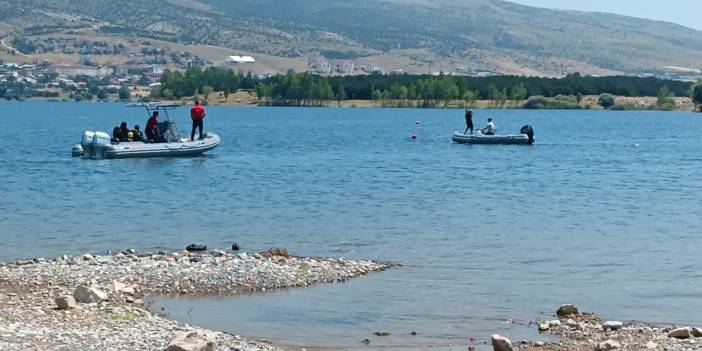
x=94 y=302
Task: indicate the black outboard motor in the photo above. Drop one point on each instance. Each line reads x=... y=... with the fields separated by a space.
x=529 y=131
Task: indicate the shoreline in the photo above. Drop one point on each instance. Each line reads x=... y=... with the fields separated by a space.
x=589 y=103
x=115 y=317
x=70 y=302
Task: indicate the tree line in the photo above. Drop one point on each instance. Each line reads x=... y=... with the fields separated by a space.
x=306 y=89
x=196 y=81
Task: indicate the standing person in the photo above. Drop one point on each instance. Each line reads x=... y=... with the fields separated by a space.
x=469 y=122
x=490 y=129
x=197 y=114
x=152 y=132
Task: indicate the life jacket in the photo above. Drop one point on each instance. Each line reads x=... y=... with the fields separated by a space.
x=130 y=135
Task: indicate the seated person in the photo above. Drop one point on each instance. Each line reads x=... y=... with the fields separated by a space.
x=123 y=132
x=136 y=134
x=490 y=129
x=120 y=133
x=153 y=133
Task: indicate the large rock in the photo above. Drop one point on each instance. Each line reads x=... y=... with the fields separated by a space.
x=613 y=325
x=65 y=303
x=697 y=332
x=196 y=248
x=193 y=341
x=501 y=343
x=680 y=333
x=85 y=294
x=567 y=310
x=119 y=287
x=608 y=345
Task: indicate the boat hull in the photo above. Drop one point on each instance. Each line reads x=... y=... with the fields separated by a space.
x=510 y=139
x=177 y=149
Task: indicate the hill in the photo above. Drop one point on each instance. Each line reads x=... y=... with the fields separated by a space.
x=413 y=35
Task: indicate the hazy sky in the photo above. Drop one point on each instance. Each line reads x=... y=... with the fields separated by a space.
x=685 y=12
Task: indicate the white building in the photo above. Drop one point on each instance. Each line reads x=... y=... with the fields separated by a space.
x=75 y=70
x=240 y=59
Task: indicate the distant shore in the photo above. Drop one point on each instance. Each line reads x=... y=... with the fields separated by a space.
x=643 y=103
x=69 y=302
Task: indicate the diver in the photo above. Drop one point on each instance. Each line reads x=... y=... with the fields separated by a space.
x=136 y=134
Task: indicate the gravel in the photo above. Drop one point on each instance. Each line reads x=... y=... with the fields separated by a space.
x=31 y=320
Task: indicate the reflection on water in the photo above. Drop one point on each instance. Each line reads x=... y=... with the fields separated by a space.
x=603 y=212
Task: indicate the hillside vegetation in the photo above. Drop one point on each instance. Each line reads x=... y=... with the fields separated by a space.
x=414 y=35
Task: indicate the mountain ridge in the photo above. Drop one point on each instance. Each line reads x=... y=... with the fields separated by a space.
x=413 y=35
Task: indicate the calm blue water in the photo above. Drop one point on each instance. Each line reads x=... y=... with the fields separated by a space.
x=604 y=212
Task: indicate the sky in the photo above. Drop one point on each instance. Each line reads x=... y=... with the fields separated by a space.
x=685 y=12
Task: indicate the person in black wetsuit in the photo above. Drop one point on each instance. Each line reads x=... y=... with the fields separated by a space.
x=136 y=134
x=469 y=122
x=120 y=133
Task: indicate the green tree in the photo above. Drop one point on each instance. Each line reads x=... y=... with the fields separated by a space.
x=697 y=95
x=206 y=91
x=124 y=93
x=341 y=94
x=102 y=94
x=666 y=98
x=519 y=93
x=606 y=101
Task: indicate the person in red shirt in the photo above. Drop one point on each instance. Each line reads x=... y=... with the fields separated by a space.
x=152 y=132
x=197 y=114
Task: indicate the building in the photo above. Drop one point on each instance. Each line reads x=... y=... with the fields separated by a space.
x=240 y=59
x=345 y=67
x=67 y=70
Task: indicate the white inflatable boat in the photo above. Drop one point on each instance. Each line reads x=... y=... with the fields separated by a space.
x=526 y=137
x=99 y=145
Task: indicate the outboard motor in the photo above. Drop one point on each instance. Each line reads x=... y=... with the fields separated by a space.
x=86 y=144
x=101 y=141
x=529 y=131
x=77 y=150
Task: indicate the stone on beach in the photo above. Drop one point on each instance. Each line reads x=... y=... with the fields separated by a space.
x=651 y=345
x=544 y=326
x=608 y=345
x=696 y=332
x=85 y=294
x=680 y=333
x=501 y=343
x=196 y=248
x=567 y=310
x=193 y=341
x=613 y=325
x=118 y=287
x=65 y=302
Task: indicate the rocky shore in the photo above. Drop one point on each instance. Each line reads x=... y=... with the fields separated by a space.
x=96 y=302
x=578 y=331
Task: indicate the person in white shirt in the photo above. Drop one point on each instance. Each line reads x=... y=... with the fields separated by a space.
x=490 y=129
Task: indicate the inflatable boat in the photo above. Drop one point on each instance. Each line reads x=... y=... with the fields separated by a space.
x=99 y=145
x=526 y=137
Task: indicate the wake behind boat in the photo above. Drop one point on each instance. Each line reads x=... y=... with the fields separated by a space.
x=526 y=137
x=99 y=145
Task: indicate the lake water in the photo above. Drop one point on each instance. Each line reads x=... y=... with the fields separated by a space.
x=604 y=211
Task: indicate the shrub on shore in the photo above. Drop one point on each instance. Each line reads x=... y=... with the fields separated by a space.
x=560 y=102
